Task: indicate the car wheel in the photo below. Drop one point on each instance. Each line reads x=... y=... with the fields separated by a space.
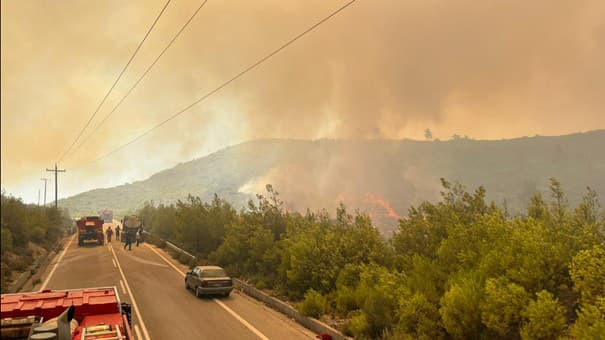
x=227 y=294
x=186 y=285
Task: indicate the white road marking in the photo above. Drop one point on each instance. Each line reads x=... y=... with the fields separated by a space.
x=52 y=271
x=137 y=331
x=240 y=319
x=134 y=303
x=166 y=260
x=123 y=288
x=114 y=263
x=220 y=303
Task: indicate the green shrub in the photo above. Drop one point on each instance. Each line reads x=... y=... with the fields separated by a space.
x=346 y=299
x=591 y=321
x=358 y=325
x=419 y=318
x=460 y=309
x=260 y=284
x=314 y=304
x=501 y=309
x=587 y=270
x=545 y=318
x=378 y=310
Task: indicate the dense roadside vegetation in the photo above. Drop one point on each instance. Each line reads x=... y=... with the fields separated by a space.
x=28 y=231
x=457 y=268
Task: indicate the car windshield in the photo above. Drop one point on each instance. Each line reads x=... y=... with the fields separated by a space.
x=213 y=273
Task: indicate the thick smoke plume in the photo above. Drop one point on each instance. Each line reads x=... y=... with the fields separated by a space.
x=380 y=69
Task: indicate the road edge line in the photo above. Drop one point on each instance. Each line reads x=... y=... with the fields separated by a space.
x=52 y=271
x=220 y=303
x=132 y=299
x=166 y=260
x=136 y=331
x=123 y=288
x=240 y=319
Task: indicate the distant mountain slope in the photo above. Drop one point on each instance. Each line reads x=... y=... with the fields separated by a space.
x=382 y=177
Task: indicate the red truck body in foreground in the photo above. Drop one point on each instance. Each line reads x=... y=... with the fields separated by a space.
x=95 y=308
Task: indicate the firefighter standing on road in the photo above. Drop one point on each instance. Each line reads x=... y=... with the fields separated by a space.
x=127 y=240
x=118 y=232
x=109 y=233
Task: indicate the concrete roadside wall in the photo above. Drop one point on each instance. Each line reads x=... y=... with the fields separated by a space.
x=282 y=307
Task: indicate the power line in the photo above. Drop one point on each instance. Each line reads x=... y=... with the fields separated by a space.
x=232 y=79
x=116 y=81
x=139 y=80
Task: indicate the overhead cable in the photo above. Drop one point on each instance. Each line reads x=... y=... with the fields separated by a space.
x=139 y=80
x=227 y=82
x=115 y=82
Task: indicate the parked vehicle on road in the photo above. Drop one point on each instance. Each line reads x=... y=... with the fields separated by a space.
x=209 y=280
x=90 y=230
x=130 y=225
x=91 y=313
x=106 y=215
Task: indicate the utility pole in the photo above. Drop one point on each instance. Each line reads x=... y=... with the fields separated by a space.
x=56 y=171
x=38 y=197
x=45 y=180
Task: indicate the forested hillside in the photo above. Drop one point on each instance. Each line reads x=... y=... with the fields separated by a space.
x=381 y=177
x=457 y=268
x=28 y=232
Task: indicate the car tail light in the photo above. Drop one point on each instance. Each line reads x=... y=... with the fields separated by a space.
x=204 y=283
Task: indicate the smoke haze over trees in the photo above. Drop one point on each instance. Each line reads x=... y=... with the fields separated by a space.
x=381 y=177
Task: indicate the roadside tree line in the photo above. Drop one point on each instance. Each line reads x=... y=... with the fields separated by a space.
x=457 y=268
x=26 y=229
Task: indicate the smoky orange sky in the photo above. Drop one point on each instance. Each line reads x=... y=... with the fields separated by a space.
x=380 y=69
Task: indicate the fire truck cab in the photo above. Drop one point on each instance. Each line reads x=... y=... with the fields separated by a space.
x=91 y=313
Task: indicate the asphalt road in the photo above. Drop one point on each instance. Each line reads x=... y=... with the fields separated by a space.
x=162 y=307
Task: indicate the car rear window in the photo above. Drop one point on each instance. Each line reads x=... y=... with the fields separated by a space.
x=213 y=273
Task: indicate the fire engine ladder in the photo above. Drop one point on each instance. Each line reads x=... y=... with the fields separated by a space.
x=104 y=330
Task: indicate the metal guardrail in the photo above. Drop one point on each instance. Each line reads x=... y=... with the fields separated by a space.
x=172 y=246
x=177 y=249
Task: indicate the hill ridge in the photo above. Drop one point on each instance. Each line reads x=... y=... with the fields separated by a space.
x=320 y=173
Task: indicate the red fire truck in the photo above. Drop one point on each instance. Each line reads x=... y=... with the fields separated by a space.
x=91 y=313
x=90 y=229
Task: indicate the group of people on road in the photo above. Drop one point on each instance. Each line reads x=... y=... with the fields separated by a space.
x=127 y=238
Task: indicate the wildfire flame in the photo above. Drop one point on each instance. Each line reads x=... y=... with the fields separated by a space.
x=384 y=204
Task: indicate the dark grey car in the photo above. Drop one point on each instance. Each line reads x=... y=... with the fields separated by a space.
x=207 y=280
